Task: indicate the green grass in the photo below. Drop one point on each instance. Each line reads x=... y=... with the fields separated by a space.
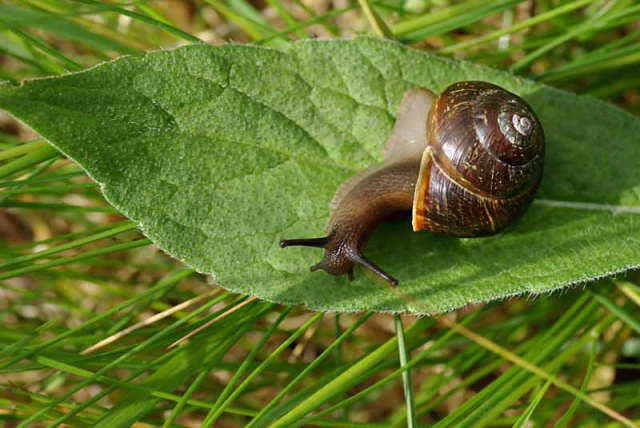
x=73 y=272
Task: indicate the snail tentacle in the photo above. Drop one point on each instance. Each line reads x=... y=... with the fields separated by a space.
x=306 y=242
x=363 y=261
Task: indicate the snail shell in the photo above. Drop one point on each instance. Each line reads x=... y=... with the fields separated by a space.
x=482 y=164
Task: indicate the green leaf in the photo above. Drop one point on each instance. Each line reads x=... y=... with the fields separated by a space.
x=219 y=152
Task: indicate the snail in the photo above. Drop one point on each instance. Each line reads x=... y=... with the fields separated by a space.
x=465 y=164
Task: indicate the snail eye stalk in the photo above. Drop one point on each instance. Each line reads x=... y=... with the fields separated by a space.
x=310 y=242
x=363 y=261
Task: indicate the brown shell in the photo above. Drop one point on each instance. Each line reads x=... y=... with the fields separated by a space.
x=483 y=162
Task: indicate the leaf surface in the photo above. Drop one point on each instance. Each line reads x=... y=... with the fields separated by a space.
x=219 y=152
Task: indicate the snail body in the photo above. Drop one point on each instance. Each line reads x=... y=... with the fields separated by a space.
x=464 y=164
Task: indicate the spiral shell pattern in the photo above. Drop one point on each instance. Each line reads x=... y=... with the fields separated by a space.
x=483 y=162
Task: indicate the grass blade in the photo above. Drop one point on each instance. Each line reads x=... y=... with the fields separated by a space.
x=412 y=420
